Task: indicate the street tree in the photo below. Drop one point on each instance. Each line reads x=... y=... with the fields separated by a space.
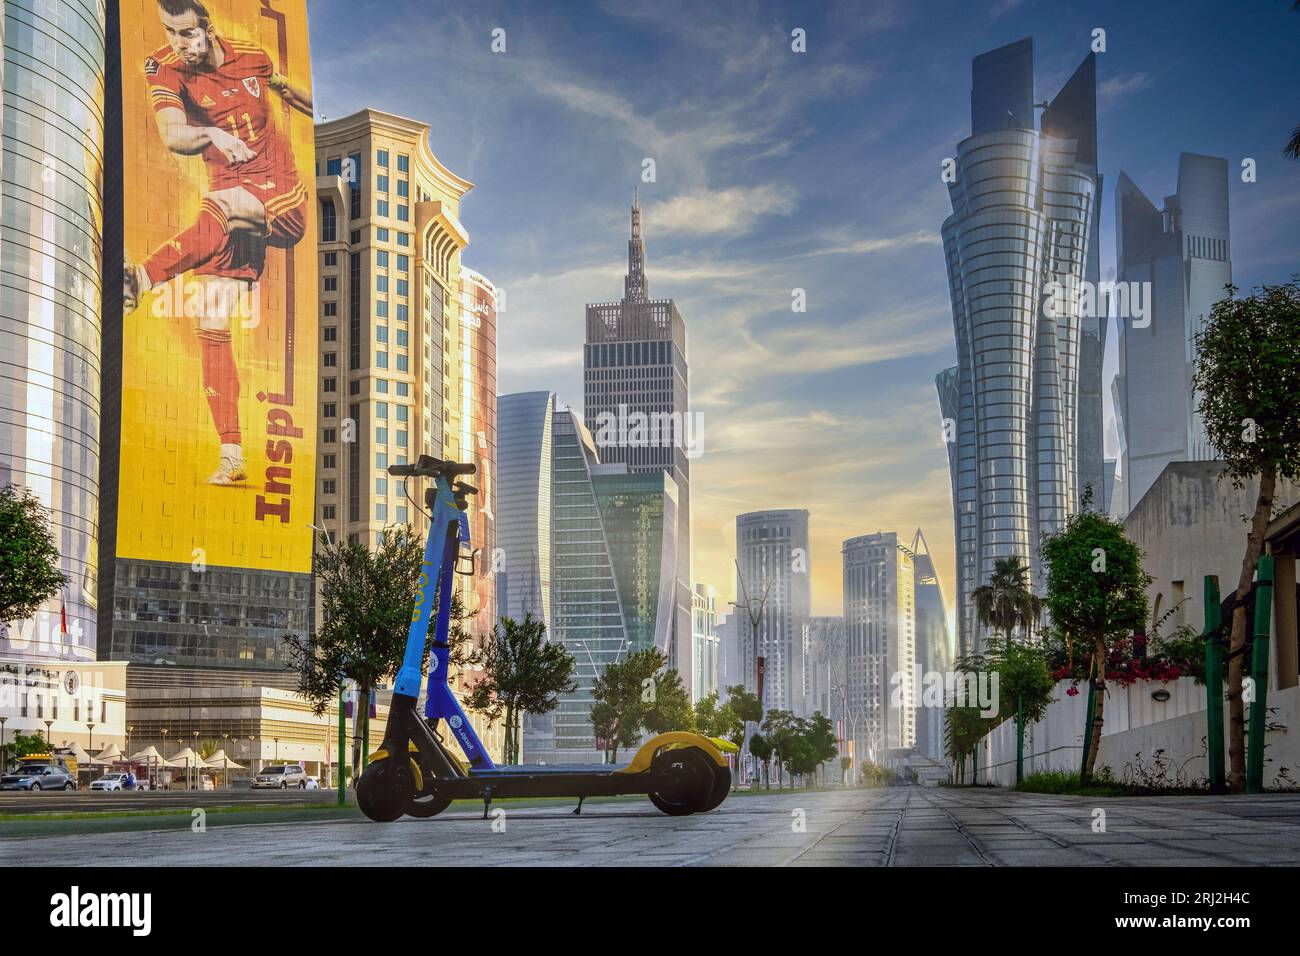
x=670 y=709
x=366 y=600
x=1096 y=592
x=761 y=748
x=29 y=558
x=1246 y=379
x=821 y=738
x=1007 y=603
x=749 y=709
x=522 y=673
x=623 y=694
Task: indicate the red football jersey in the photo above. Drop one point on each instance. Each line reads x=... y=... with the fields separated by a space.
x=234 y=98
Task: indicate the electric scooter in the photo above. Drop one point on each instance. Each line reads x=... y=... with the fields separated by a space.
x=414 y=772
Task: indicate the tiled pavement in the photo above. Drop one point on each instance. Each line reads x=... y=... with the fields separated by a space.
x=907 y=826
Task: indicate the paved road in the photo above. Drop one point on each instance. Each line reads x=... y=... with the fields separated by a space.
x=897 y=827
x=85 y=800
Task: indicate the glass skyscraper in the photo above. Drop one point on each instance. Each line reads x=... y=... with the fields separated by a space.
x=50 y=284
x=773 y=557
x=1185 y=253
x=1022 y=216
x=634 y=366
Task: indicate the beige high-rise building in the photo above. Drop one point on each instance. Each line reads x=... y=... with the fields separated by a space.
x=391 y=326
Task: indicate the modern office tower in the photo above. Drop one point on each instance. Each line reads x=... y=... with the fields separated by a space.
x=825 y=666
x=935 y=652
x=208 y=439
x=613 y=554
x=523 y=505
x=773 y=557
x=704 y=666
x=50 y=333
x=880 y=630
x=635 y=404
x=476 y=438
x=1184 y=252
x=391 y=329
x=1022 y=202
x=731 y=665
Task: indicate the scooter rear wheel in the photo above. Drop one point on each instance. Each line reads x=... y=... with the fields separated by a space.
x=721 y=787
x=691 y=781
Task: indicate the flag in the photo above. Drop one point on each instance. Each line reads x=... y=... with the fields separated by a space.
x=63 y=617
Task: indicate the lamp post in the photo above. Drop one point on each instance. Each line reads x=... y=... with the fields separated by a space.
x=225 y=755
x=755 y=616
x=164 y=753
x=91 y=725
x=277 y=749
x=4 y=752
x=194 y=749
x=48 y=746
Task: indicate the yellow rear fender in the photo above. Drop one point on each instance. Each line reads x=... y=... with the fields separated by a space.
x=671 y=741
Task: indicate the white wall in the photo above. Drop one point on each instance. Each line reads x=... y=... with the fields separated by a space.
x=1134 y=724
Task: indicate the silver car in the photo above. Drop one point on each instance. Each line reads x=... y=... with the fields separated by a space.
x=281 y=778
x=110 y=781
x=38 y=777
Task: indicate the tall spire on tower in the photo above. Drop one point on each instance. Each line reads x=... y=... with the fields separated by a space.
x=636 y=287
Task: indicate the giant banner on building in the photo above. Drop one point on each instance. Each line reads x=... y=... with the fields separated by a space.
x=219 y=291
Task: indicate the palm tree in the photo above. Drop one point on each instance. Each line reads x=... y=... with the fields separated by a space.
x=1293 y=148
x=1007 y=602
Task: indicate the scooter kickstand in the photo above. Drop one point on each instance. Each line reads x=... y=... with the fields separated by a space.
x=578 y=809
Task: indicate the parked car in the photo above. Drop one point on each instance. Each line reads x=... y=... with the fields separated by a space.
x=110 y=781
x=38 y=777
x=312 y=784
x=280 y=778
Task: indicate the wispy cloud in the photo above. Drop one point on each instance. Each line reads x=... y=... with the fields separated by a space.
x=1116 y=87
x=728 y=212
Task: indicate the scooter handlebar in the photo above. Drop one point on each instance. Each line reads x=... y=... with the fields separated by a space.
x=426 y=466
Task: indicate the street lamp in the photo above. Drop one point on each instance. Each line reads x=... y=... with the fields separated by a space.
x=91 y=725
x=4 y=753
x=48 y=724
x=194 y=749
x=755 y=616
x=277 y=748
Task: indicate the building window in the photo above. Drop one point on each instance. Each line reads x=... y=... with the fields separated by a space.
x=401 y=439
x=354 y=311
x=381 y=436
x=381 y=386
x=331 y=384
x=331 y=258
x=402 y=365
x=403 y=188
x=403 y=413
x=381 y=208
x=381 y=333
x=329 y=511
x=331 y=410
x=403 y=163
x=402 y=514
x=329 y=486
x=334 y=167
x=381 y=512
x=403 y=389
x=403 y=213
x=329 y=461
x=355 y=211
x=403 y=287
x=381 y=359
x=381 y=308
x=381 y=283
x=381 y=486
x=381 y=158
x=331 y=283
x=402 y=312
x=330 y=310
x=381 y=460
x=402 y=337
x=354 y=237
x=403 y=263
x=354 y=388
x=330 y=333
x=381 y=183
x=331 y=359
x=381 y=234
x=330 y=436
x=381 y=258
x=381 y=410
x=328 y=221
x=404 y=239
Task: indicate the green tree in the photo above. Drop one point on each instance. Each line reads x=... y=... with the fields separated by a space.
x=29 y=559
x=821 y=738
x=1246 y=379
x=670 y=706
x=780 y=728
x=762 y=749
x=624 y=693
x=523 y=673
x=366 y=599
x=748 y=709
x=1096 y=591
x=961 y=732
x=1007 y=603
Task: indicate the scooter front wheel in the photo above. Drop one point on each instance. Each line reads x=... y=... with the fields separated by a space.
x=385 y=789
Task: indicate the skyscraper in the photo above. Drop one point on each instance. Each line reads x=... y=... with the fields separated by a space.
x=391 y=318
x=1022 y=202
x=880 y=634
x=773 y=558
x=613 y=552
x=635 y=403
x=523 y=526
x=50 y=340
x=1184 y=252
x=934 y=643
x=704 y=667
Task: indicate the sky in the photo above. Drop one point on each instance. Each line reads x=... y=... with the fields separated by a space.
x=775 y=171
